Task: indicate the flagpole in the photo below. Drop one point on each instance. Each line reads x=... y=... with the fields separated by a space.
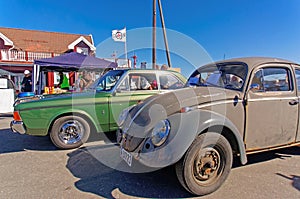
x=154 y=36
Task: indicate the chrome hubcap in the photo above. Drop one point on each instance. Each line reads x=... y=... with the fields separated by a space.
x=206 y=165
x=71 y=132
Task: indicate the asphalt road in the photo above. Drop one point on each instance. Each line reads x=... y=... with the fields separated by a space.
x=31 y=167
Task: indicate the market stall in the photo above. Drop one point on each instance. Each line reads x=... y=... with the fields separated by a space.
x=70 y=62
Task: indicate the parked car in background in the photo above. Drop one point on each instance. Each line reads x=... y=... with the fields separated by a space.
x=69 y=118
x=7 y=83
x=8 y=94
x=228 y=108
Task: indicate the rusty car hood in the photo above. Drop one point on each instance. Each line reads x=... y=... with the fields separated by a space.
x=143 y=117
x=174 y=101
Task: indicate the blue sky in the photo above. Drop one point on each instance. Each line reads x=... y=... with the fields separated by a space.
x=231 y=28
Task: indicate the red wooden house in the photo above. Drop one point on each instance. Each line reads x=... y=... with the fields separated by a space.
x=19 y=47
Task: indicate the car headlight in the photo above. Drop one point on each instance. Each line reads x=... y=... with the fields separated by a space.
x=160 y=132
x=123 y=115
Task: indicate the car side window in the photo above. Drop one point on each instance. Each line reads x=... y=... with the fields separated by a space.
x=257 y=82
x=170 y=81
x=142 y=82
x=271 y=79
x=124 y=85
x=297 y=72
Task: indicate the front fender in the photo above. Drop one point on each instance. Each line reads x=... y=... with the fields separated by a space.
x=185 y=127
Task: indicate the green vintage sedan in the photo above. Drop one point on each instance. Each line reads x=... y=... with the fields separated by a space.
x=70 y=118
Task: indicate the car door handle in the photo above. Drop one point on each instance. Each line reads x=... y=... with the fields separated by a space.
x=293 y=102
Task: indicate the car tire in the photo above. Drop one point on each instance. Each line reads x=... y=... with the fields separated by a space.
x=206 y=164
x=69 y=132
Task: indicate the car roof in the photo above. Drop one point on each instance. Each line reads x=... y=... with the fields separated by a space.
x=254 y=61
x=146 y=70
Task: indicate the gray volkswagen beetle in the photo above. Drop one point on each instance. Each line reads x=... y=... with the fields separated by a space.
x=228 y=108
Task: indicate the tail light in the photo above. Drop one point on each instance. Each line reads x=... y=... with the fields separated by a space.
x=17 y=116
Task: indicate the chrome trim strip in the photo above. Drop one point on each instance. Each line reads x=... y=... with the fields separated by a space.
x=272 y=99
x=219 y=102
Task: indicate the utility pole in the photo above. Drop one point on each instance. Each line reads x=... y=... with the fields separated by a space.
x=165 y=34
x=154 y=36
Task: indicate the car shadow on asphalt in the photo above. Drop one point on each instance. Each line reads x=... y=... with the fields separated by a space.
x=269 y=155
x=107 y=137
x=103 y=173
x=100 y=171
x=282 y=154
x=14 y=142
x=4 y=115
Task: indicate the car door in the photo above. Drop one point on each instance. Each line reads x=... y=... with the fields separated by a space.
x=135 y=87
x=272 y=109
x=297 y=80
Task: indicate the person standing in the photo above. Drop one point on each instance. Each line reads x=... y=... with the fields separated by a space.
x=26 y=82
x=85 y=81
x=164 y=67
x=63 y=81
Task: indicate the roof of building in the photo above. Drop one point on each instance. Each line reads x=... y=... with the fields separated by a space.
x=41 y=41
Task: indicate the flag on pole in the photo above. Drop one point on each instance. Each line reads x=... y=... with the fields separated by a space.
x=119 y=35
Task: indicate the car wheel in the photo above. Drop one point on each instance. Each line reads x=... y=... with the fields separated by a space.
x=69 y=132
x=206 y=164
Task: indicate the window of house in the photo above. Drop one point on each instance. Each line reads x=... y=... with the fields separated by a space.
x=82 y=50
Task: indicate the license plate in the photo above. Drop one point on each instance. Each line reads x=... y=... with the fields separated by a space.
x=127 y=157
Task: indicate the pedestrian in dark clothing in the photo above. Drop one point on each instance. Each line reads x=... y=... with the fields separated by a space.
x=27 y=82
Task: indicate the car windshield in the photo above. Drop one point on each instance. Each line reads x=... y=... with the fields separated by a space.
x=108 y=81
x=226 y=75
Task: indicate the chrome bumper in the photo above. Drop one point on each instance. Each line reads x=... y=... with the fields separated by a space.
x=17 y=127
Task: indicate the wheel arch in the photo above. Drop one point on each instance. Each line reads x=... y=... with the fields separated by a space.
x=232 y=136
x=79 y=114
